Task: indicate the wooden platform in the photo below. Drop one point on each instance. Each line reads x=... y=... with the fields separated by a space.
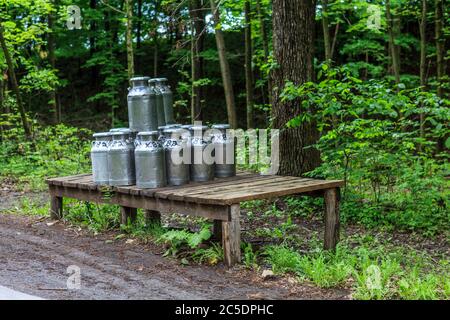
x=218 y=200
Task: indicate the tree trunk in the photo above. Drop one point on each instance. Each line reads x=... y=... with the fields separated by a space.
x=197 y=26
x=293 y=43
x=155 y=40
x=51 y=43
x=130 y=56
x=392 y=45
x=265 y=43
x=224 y=67
x=14 y=84
x=248 y=65
x=423 y=56
x=326 y=31
x=440 y=45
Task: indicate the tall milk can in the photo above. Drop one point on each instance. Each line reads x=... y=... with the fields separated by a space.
x=121 y=160
x=99 y=157
x=142 y=109
x=150 y=161
x=167 y=94
x=159 y=102
x=202 y=161
x=177 y=169
x=224 y=148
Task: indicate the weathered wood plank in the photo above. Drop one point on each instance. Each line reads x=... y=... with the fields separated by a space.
x=56 y=207
x=127 y=214
x=231 y=237
x=332 y=224
x=210 y=211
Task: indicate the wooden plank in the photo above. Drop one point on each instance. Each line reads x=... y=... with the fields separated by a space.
x=262 y=193
x=253 y=185
x=210 y=211
x=231 y=237
x=127 y=214
x=59 y=181
x=222 y=187
x=332 y=221
x=56 y=207
x=187 y=188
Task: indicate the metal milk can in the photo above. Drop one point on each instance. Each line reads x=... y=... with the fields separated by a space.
x=161 y=83
x=121 y=160
x=150 y=161
x=159 y=102
x=202 y=161
x=142 y=109
x=224 y=148
x=177 y=169
x=99 y=157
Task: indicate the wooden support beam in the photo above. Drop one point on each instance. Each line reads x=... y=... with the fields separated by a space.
x=332 y=224
x=153 y=217
x=56 y=207
x=231 y=237
x=127 y=213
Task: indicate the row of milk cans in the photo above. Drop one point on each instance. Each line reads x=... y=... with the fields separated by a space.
x=172 y=155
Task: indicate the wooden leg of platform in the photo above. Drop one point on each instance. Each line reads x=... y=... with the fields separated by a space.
x=127 y=213
x=331 y=197
x=217 y=230
x=153 y=217
x=231 y=237
x=56 y=207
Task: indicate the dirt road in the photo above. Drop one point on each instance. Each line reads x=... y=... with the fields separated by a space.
x=34 y=258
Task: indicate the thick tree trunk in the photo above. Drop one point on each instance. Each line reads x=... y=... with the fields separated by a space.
x=52 y=59
x=293 y=43
x=197 y=25
x=14 y=84
x=265 y=42
x=224 y=67
x=248 y=65
x=440 y=45
x=326 y=31
x=130 y=55
x=393 y=47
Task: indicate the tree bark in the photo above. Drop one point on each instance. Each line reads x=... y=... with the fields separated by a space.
x=265 y=42
x=440 y=45
x=326 y=31
x=130 y=55
x=423 y=56
x=197 y=25
x=51 y=43
x=155 y=40
x=14 y=84
x=293 y=44
x=248 y=65
x=224 y=67
x=392 y=45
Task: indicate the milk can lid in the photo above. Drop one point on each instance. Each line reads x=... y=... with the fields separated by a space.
x=101 y=134
x=118 y=129
x=148 y=133
x=221 y=126
x=198 y=128
x=139 y=79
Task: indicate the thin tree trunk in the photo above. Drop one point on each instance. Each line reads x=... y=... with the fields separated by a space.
x=294 y=52
x=130 y=55
x=333 y=45
x=155 y=40
x=423 y=56
x=52 y=59
x=248 y=65
x=139 y=25
x=265 y=42
x=440 y=45
x=392 y=45
x=326 y=31
x=224 y=67
x=14 y=84
x=197 y=26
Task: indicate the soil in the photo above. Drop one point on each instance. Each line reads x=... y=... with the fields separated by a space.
x=36 y=252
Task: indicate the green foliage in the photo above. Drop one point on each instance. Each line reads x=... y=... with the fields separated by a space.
x=55 y=151
x=372 y=137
